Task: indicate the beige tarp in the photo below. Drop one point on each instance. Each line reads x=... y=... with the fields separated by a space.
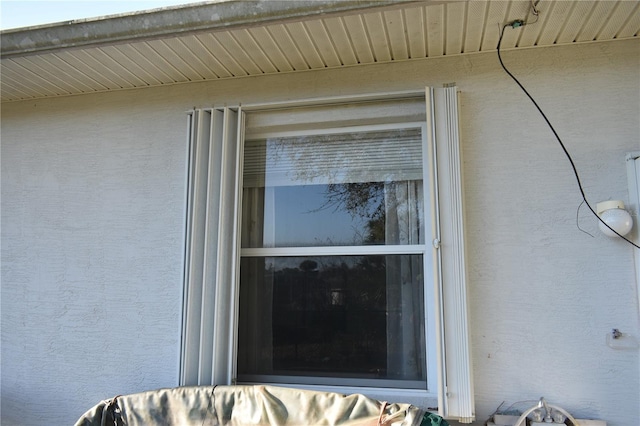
x=248 y=405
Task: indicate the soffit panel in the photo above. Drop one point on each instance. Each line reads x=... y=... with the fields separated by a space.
x=474 y=29
x=406 y=31
x=415 y=30
x=435 y=31
x=359 y=39
x=221 y=54
x=341 y=37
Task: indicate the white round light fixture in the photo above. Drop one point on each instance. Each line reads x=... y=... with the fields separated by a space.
x=614 y=215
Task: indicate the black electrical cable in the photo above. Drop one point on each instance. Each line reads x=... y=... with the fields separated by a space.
x=516 y=24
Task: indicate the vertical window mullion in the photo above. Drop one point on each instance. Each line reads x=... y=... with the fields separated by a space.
x=430 y=259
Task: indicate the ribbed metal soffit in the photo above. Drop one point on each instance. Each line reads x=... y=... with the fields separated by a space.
x=332 y=38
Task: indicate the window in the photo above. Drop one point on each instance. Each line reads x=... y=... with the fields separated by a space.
x=312 y=252
x=332 y=259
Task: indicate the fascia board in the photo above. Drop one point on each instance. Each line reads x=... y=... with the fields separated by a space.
x=175 y=21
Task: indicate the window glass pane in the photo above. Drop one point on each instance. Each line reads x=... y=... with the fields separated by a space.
x=358 y=188
x=358 y=320
x=362 y=156
x=345 y=214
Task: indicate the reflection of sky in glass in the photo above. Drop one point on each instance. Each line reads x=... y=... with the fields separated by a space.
x=299 y=216
x=330 y=189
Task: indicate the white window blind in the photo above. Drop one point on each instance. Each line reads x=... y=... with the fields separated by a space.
x=371 y=156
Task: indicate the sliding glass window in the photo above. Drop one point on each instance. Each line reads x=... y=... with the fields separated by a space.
x=332 y=258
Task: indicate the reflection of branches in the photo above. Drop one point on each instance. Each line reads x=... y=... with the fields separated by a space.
x=359 y=199
x=293 y=155
x=364 y=200
x=352 y=167
x=350 y=156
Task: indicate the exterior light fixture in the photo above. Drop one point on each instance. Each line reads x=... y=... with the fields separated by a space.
x=614 y=215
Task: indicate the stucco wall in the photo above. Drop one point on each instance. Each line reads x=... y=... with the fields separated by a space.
x=93 y=196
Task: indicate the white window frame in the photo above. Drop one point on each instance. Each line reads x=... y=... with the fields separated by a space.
x=212 y=253
x=426 y=249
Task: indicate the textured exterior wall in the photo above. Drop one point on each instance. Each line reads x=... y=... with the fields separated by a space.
x=92 y=226
x=93 y=195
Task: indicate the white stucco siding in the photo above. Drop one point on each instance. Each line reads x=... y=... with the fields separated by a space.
x=92 y=228
x=93 y=196
x=544 y=295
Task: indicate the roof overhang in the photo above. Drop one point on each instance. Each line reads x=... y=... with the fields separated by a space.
x=231 y=38
x=176 y=21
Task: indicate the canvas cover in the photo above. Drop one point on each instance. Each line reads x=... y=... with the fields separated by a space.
x=251 y=405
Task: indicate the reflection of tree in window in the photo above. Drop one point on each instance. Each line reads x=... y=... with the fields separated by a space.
x=362 y=199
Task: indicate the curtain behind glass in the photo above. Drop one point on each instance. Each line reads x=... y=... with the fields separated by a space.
x=405 y=319
x=256 y=294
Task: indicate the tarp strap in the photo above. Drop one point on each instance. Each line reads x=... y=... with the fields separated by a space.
x=112 y=415
x=382 y=408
